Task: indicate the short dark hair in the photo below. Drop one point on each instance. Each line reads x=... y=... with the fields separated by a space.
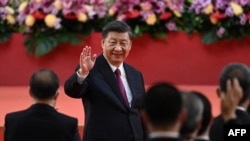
x=43 y=84
x=162 y=103
x=117 y=26
x=239 y=71
x=207 y=112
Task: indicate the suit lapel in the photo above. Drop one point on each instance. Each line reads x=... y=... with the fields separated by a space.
x=109 y=77
x=131 y=81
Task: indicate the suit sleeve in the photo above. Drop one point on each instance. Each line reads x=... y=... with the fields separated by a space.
x=72 y=88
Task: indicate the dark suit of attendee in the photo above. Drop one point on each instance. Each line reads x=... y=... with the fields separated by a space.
x=41 y=121
x=163 y=112
x=108 y=116
x=237 y=76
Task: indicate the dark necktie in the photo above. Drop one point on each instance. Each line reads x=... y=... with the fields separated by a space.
x=121 y=86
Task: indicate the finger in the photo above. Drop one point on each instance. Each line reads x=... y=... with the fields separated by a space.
x=85 y=49
x=81 y=61
x=89 y=51
x=237 y=88
x=94 y=57
x=229 y=88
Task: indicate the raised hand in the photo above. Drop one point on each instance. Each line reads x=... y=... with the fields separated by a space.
x=230 y=99
x=86 y=61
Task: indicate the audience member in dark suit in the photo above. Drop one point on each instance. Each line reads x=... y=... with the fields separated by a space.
x=194 y=109
x=109 y=116
x=207 y=117
x=163 y=112
x=41 y=121
x=234 y=81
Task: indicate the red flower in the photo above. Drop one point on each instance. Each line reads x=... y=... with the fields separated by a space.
x=248 y=15
x=165 y=15
x=218 y=15
x=38 y=15
x=70 y=16
x=132 y=14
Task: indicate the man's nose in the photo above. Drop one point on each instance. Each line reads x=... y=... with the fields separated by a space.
x=118 y=47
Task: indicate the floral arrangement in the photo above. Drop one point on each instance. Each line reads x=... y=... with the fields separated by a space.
x=47 y=23
x=7 y=20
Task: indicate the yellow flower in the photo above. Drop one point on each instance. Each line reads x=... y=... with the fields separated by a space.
x=146 y=6
x=208 y=9
x=177 y=13
x=237 y=9
x=9 y=10
x=88 y=7
x=10 y=19
x=30 y=20
x=151 y=19
x=50 y=20
x=22 y=6
x=58 y=5
x=111 y=12
x=82 y=17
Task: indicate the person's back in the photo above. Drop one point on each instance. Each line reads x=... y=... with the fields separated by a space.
x=41 y=121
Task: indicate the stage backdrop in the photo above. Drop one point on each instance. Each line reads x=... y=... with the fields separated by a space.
x=179 y=59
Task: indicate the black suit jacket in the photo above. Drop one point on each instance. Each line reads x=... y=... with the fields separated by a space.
x=40 y=122
x=107 y=118
x=216 y=131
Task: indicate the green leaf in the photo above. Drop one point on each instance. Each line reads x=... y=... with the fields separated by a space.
x=137 y=30
x=210 y=37
x=4 y=37
x=45 y=45
x=161 y=35
x=39 y=45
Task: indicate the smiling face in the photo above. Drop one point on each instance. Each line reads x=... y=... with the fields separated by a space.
x=116 y=47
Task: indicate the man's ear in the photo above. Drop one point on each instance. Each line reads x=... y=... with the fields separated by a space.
x=102 y=43
x=218 y=91
x=30 y=93
x=56 y=95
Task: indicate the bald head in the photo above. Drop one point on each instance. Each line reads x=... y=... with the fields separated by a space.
x=44 y=84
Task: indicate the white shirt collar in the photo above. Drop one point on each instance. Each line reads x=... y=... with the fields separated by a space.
x=240 y=108
x=164 y=134
x=203 y=138
x=121 y=68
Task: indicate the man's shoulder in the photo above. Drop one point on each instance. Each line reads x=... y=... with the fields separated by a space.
x=130 y=67
x=16 y=113
x=66 y=117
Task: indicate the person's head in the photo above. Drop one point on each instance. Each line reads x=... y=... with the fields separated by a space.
x=116 y=42
x=44 y=85
x=207 y=113
x=239 y=71
x=194 y=109
x=162 y=107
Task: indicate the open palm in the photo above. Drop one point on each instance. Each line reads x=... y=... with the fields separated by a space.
x=86 y=60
